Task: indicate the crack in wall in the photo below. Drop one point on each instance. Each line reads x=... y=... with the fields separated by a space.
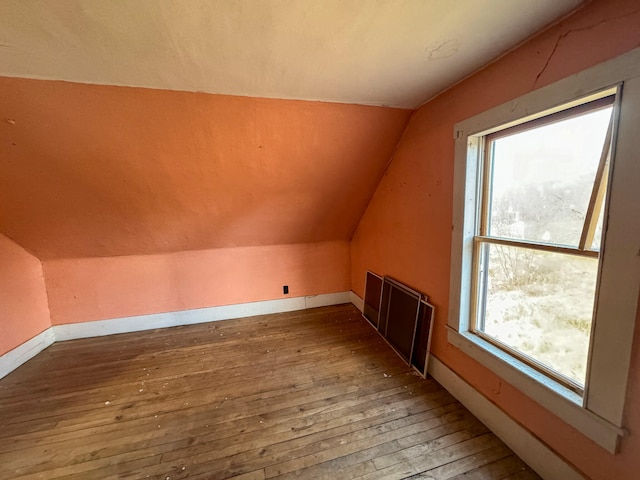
x=573 y=30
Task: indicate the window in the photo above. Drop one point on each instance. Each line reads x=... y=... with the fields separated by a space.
x=545 y=267
x=536 y=250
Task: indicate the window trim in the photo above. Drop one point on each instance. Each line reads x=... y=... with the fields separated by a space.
x=598 y=414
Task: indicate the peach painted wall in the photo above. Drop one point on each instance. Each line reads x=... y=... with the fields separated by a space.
x=111 y=171
x=23 y=299
x=103 y=288
x=142 y=201
x=406 y=230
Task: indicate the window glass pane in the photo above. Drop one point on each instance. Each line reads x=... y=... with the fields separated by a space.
x=542 y=179
x=539 y=303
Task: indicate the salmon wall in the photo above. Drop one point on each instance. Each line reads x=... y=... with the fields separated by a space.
x=23 y=298
x=110 y=171
x=104 y=288
x=143 y=201
x=406 y=230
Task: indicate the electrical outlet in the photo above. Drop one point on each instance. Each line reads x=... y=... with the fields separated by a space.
x=285 y=289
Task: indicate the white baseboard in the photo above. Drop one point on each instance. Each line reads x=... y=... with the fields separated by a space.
x=535 y=453
x=138 y=323
x=313 y=301
x=356 y=300
x=29 y=349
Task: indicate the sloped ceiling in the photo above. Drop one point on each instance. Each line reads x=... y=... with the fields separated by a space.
x=375 y=52
x=91 y=170
x=146 y=126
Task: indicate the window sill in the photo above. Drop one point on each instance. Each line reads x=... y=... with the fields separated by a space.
x=556 y=398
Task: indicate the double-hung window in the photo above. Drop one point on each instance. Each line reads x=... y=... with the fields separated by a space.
x=545 y=267
x=543 y=185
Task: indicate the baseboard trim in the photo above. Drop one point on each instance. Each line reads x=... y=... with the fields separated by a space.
x=72 y=331
x=327 y=299
x=535 y=453
x=22 y=353
x=356 y=300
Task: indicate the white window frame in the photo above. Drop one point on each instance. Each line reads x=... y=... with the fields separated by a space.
x=598 y=414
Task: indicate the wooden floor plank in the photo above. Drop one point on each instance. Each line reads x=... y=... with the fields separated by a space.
x=496 y=470
x=462 y=465
x=310 y=394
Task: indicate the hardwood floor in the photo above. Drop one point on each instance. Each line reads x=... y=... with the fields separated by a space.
x=311 y=394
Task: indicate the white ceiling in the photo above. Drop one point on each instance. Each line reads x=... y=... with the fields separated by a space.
x=375 y=52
